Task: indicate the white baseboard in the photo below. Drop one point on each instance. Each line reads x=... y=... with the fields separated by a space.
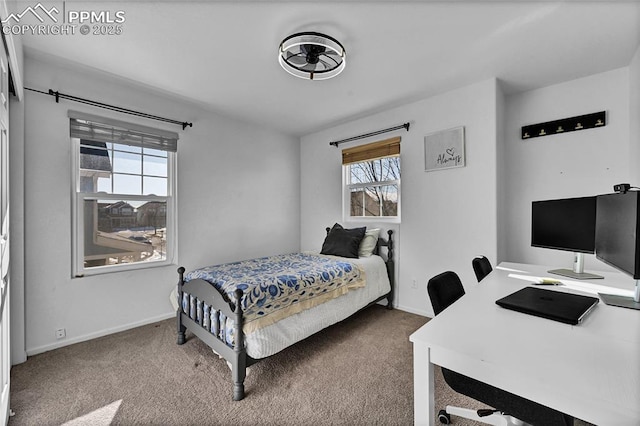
x=19 y=358
x=106 y=332
x=101 y=333
x=406 y=309
x=413 y=311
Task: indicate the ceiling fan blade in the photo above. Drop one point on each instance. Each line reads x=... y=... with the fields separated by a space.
x=329 y=61
x=310 y=67
x=297 y=60
x=322 y=65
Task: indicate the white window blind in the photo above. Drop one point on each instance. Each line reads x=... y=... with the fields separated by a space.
x=101 y=129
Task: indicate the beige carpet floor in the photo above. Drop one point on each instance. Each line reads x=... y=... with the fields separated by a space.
x=358 y=372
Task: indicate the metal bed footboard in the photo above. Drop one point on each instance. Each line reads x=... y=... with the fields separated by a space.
x=196 y=320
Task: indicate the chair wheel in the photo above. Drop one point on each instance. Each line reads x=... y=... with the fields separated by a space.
x=444 y=417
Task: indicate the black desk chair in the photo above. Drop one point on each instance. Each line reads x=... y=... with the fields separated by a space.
x=481 y=266
x=444 y=289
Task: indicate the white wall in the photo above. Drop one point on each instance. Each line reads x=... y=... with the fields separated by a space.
x=238 y=194
x=16 y=205
x=634 y=118
x=581 y=163
x=448 y=216
x=501 y=176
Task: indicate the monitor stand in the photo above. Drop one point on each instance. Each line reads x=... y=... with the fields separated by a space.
x=578 y=270
x=623 y=301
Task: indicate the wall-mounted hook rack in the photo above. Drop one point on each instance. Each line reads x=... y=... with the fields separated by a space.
x=565 y=125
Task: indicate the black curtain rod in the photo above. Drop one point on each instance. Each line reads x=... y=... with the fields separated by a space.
x=366 y=135
x=59 y=96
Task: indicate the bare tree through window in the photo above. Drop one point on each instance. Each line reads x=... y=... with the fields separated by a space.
x=374 y=187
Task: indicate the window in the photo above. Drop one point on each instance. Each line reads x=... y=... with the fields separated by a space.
x=372 y=180
x=124 y=192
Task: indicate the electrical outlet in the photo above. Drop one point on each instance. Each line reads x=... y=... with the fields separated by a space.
x=414 y=283
x=61 y=333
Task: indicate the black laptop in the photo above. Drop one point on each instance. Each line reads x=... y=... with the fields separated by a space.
x=568 y=308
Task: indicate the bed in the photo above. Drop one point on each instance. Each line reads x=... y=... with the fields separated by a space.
x=279 y=304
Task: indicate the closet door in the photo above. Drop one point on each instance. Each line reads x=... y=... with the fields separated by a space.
x=5 y=353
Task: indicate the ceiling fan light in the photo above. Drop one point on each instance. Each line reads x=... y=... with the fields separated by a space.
x=312 y=56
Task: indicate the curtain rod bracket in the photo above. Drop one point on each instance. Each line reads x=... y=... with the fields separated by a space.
x=366 y=135
x=56 y=94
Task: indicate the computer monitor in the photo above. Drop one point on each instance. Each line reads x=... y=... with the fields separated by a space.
x=617 y=239
x=566 y=224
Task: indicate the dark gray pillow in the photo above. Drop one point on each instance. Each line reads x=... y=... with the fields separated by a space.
x=343 y=242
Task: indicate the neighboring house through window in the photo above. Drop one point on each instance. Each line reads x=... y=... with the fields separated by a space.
x=372 y=180
x=124 y=192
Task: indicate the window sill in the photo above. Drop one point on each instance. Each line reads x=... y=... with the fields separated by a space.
x=375 y=219
x=114 y=269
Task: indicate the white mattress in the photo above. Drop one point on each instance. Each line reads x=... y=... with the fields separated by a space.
x=274 y=338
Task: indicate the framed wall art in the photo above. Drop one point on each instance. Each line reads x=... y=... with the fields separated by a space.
x=444 y=149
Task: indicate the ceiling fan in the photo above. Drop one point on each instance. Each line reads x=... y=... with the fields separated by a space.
x=312 y=56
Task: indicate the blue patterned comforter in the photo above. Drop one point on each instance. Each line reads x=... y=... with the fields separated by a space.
x=275 y=287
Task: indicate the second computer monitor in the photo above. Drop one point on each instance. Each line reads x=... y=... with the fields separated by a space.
x=618 y=240
x=618 y=224
x=566 y=224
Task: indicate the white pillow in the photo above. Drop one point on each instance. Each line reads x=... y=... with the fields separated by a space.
x=368 y=243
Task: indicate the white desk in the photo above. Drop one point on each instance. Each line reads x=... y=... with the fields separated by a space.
x=590 y=371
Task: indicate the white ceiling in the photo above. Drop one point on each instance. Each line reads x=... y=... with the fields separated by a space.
x=223 y=55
